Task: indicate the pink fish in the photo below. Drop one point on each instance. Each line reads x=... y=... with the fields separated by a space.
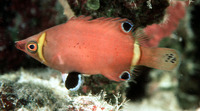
x=101 y=46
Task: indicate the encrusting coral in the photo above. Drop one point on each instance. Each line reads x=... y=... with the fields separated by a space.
x=43 y=90
x=174 y=13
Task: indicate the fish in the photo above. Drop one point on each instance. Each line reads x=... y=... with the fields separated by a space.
x=89 y=46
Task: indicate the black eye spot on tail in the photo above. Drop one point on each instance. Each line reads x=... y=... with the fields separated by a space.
x=127 y=26
x=73 y=81
x=125 y=75
x=170 y=58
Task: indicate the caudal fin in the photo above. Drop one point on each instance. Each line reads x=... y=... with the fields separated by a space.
x=159 y=58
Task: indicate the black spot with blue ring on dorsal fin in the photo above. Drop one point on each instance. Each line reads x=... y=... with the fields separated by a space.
x=127 y=26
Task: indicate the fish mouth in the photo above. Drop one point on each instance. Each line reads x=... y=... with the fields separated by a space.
x=20 y=45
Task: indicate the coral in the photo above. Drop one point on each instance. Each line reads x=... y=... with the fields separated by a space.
x=175 y=12
x=136 y=10
x=93 y=103
x=186 y=40
x=97 y=83
x=67 y=10
x=18 y=91
x=159 y=101
x=42 y=90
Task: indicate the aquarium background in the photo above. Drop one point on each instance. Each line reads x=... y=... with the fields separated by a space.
x=27 y=84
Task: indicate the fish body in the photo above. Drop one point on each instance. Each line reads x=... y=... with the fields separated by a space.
x=101 y=46
x=89 y=51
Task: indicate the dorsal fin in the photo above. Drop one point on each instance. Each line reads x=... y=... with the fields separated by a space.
x=82 y=17
x=123 y=24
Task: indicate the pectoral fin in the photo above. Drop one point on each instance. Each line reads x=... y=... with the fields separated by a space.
x=72 y=80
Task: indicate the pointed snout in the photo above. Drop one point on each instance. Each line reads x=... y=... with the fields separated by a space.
x=20 y=45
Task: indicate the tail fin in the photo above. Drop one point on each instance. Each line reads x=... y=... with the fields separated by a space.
x=159 y=58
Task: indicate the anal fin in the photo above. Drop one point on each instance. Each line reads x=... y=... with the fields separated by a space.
x=72 y=80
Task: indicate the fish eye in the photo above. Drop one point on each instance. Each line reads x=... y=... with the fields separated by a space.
x=32 y=47
x=127 y=26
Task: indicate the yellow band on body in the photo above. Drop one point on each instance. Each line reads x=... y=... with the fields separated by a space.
x=136 y=54
x=40 y=47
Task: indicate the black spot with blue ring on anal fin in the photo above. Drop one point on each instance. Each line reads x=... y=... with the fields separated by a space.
x=125 y=75
x=73 y=81
x=127 y=26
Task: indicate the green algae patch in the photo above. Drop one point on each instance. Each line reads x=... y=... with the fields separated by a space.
x=93 y=4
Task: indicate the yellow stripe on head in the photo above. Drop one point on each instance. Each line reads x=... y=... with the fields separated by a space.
x=41 y=41
x=136 y=55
